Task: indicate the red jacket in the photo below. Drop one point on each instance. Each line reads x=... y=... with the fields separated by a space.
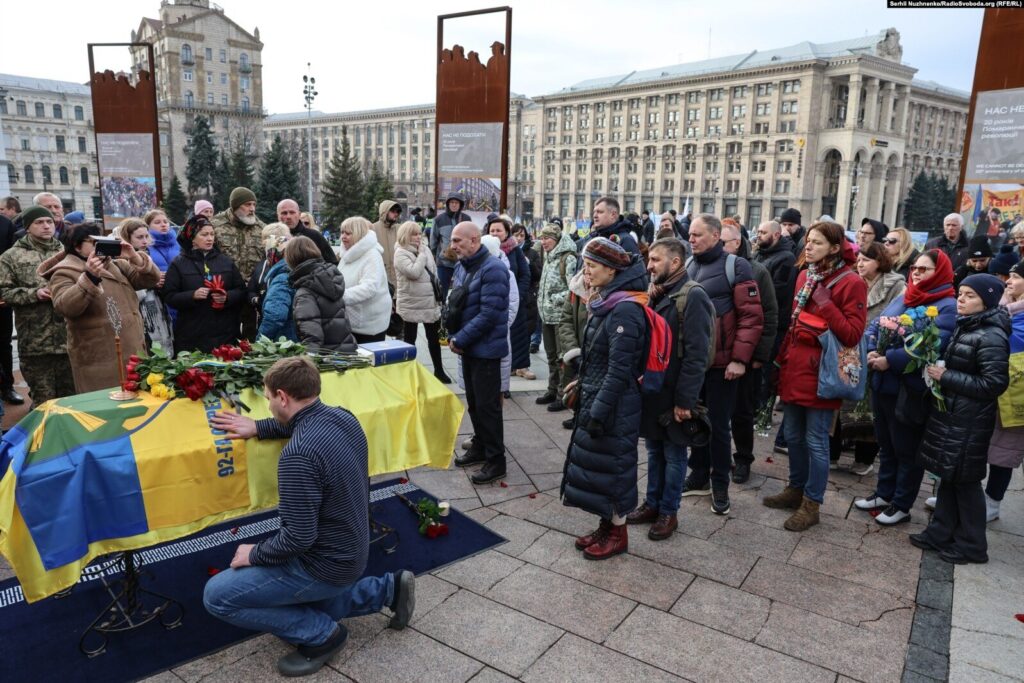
x=800 y=353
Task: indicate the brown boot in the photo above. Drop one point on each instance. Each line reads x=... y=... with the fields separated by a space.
x=642 y=515
x=595 y=536
x=804 y=518
x=662 y=528
x=615 y=541
x=789 y=499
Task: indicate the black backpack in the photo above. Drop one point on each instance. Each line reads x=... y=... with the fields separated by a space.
x=454 y=307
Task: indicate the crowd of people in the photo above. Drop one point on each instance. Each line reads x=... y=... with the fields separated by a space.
x=127 y=196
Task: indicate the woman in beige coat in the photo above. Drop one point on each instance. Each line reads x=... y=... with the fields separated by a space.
x=81 y=284
x=416 y=303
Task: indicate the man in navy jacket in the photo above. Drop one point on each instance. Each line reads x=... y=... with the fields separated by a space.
x=482 y=341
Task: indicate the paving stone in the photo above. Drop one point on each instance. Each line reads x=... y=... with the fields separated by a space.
x=934 y=568
x=845 y=533
x=962 y=672
x=489 y=675
x=163 y=677
x=443 y=484
x=697 y=556
x=935 y=594
x=574 y=606
x=496 y=493
x=914 y=677
x=825 y=595
x=840 y=647
x=723 y=608
x=482 y=515
x=549 y=483
x=703 y=654
x=575 y=659
x=885 y=573
x=410 y=657
x=262 y=666
x=766 y=542
x=524 y=436
x=626 y=575
x=430 y=592
x=547 y=549
x=896 y=624
x=199 y=668
x=980 y=601
x=480 y=572
x=523 y=507
x=520 y=533
x=699 y=521
x=924 y=661
x=465 y=504
x=931 y=629
x=566 y=519
x=501 y=637
x=882 y=542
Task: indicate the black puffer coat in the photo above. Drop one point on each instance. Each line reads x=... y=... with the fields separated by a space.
x=199 y=326
x=600 y=471
x=519 y=331
x=955 y=443
x=319 y=307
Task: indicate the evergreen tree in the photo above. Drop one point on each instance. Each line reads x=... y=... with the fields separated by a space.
x=378 y=188
x=278 y=180
x=202 y=159
x=222 y=184
x=918 y=208
x=241 y=171
x=343 y=190
x=174 y=202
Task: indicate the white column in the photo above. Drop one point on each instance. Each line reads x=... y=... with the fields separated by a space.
x=843 y=196
x=871 y=105
x=853 y=104
x=887 y=107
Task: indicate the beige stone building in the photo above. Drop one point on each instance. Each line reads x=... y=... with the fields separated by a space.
x=47 y=142
x=401 y=140
x=207 y=65
x=832 y=128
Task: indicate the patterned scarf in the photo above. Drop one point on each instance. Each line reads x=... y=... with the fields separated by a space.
x=655 y=291
x=508 y=245
x=814 y=277
x=599 y=305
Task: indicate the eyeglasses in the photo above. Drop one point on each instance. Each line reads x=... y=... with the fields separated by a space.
x=306 y=223
x=866 y=232
x=890 y=240
x=920 y=269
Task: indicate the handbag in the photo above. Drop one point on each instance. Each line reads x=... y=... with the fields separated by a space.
x=436 y=285
x=454 y=307
x=841 y=373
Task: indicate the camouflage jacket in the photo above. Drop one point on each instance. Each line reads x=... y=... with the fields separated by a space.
x=41 y=330
x=243 y=243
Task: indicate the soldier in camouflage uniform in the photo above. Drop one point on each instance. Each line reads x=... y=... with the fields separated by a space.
x=239 y=235
x=42 y=334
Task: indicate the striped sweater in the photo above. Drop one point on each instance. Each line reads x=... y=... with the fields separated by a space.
x=323 y=485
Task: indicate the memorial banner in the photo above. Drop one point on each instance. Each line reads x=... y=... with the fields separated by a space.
x=469 y=162
x=127 y=176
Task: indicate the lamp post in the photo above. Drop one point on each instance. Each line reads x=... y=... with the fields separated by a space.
x=5 y=184
x=309 y=93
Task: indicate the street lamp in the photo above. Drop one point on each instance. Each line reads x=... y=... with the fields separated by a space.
x=5 y=185
x=309 y=93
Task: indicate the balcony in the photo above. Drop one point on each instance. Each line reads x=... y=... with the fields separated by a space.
x=245 y=68
x=188 y=60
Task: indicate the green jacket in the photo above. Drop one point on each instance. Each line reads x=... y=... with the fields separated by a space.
x=243 y=243
x=559 y=267
x=41 y=330
x=573 y=324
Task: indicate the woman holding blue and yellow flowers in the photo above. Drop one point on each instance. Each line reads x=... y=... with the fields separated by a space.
x=922 y=321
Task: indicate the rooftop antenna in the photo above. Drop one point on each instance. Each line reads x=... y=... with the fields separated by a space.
x=709 y=41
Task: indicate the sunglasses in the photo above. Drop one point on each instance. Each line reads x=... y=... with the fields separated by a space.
x=889 y=240
x=920 y=269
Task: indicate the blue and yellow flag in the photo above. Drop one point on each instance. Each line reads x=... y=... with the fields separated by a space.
x=84 y=476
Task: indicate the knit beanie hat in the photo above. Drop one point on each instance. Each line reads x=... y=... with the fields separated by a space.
x=979 y=247
x=791 y=216
x=1003 y=261
x=551 y=230
x=239 y=196
x=988 y=287
x=74 y=218
x=1018 y=269
x=203 y=205
x=880 y=228
x=603 y=250
x=34 y=213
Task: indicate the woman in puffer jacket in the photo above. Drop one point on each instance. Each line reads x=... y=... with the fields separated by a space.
x=318 y=306
x=416 y=303
x=956 y=441
x=367 y=300
x=277 y=298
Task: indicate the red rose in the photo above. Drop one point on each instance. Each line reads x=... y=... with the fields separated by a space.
x=130 y=386
x=435 y=530
x=245 y=346
x=134 y=376
x=236 y=354
x=133 y=358
x=130 y=367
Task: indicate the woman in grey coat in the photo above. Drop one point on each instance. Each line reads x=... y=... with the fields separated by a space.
x=319 y=304
x=416 y=274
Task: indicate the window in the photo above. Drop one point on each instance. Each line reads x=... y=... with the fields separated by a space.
x=784 y=166
x=714 y=113
x=756 y=186
x=3 y=108
x=670 y=167
x=689 y=185
x=616 y=121
x=209 y=98
x=617 y=105
x=693 y=114
x=649 y=185
x=243 y=61
x=781 y=187
x=791 y=86
x=711 y=167
x=47 y=176
x=209 y=77
x=762 y=128
x=223 y=79
x=208 y=53
x=787 y=126
x=631 y=185
x=714 y=130
x=716 y=94
x=758 y=166
x=83 y=175
x=693 y=97
x=224 y=99
x=58 y=111
x=672 y=99
x=24 y=144
x=186 y=75
x=789 y=107
x=22 y=111
x=244 y=83
x=634 y=119
x=634 y=102
x=739 y=110
x=763 y=109
x=739 y=91
x=764 y=89
x=784 y=146
x=736 y=129
x=732 y=186
x=223 y=56
x=40 y=110
x=653 y=118
x=63 y=174
x=81 y=144
x=690 y=167
x=691 y=131
x=186 y=54
x=79 y=113
x=30 y=175
x=734 y=167
x=654 y=101
x=61 y=145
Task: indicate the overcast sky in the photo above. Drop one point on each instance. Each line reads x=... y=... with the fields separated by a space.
x=378 y=54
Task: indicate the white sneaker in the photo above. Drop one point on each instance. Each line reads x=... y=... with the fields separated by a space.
x=892 y=515
x=860 y=470
x=991 y=509
x=930 y=503
x=872 y=503
x=467 y=444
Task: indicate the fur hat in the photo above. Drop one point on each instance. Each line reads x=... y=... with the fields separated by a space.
x=603 y=250
x=239 y=196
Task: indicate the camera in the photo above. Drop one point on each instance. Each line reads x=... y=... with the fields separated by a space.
x=107 y=246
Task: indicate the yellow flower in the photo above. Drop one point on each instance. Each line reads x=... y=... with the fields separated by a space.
x=161 y=391
x=906 y=320
x=931 y=312
x=154 y=378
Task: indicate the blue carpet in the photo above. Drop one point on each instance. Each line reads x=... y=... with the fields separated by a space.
x=39 y=642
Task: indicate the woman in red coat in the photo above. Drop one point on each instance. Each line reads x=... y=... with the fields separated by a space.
x=829 y=296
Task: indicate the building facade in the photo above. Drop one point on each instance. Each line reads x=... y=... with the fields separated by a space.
x=401 y=141
x=206 y=65
x=47 y=142
x=838 y=128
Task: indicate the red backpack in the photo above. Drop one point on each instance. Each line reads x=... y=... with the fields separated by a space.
x=659 y=352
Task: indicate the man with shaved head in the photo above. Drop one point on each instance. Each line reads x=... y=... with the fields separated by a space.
x=288 y=213
x=480 y=337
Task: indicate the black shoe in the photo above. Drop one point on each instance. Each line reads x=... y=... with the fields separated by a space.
x=569 y=423
x=507 y=394
x=954 y=556
x=405 y=600
x=556 y=406
x=469 y=458
x=488 y=473
x=13 y=397
x=443 y=378
x=782 y=450
x=534 y=348
x=720 y=501
x=923 y=542
x=692 y=487
x=741 y=474
x=547 y=398
x=307 y=660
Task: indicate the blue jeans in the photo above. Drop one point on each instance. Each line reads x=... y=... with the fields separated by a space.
x=807 y=436
x=535 y=337
x=666 y=469
x=290 y=603
x=899 y=475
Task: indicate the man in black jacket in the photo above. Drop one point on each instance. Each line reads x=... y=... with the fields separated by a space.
x=288 y=213
x=791 y=227
x=441 y=240
x=9 y=208
x=692 y=336
x=775 y=253
x=608 y=223
x=953 y=241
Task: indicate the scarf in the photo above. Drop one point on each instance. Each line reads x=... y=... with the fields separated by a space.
x=655 y=291
x=600 y=305
x=938 y=286
x=508 y=245
x=815 y=276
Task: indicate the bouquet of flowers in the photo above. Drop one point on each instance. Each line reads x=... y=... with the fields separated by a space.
x=922 y=344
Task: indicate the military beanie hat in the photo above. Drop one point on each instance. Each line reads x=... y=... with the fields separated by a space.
x=34 y=213
x=241 y=195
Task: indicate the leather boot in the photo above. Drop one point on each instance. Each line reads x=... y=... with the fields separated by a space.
x=614 y=543
x=789 y=499
x=642 y=515
x=804 y=518
x=594 y=536
x=663 y=527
